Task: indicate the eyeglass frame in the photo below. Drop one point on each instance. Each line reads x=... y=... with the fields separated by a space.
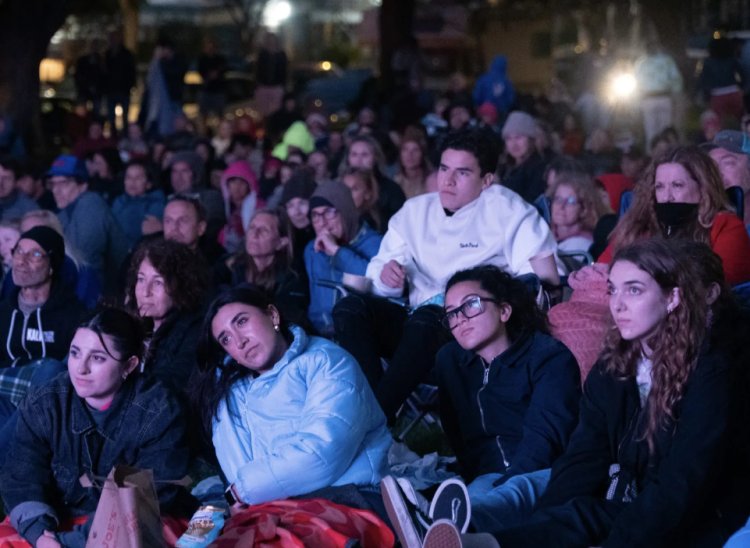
x=565 y=202
x=329 y=214
x=445 y=321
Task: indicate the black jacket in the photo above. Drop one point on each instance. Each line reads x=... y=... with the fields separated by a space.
x=171 y=356
x=57 y=320
x=691 y=492
x=514 y=415
x=527 y=179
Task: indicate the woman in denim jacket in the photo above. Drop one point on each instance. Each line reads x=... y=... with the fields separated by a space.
x=288 y=413
x=100 y=413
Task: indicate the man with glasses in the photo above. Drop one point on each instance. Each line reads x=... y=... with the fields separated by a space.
x=88 y=224
x=470 y=221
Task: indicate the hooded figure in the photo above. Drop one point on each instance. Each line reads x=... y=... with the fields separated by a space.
x=238 y=217
x=297 y=136
x=495 y=87
x=328 y=259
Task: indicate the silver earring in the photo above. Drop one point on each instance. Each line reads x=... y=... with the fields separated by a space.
x=276 y=327
x=124 y=376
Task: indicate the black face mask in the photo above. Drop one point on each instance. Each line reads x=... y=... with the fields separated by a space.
x=675 y=215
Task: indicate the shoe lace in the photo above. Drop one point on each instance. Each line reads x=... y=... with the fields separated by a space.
x=455 y=507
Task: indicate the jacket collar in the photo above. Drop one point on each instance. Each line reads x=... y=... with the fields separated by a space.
x=81 y=420
x=515 y=351
x=298 y=346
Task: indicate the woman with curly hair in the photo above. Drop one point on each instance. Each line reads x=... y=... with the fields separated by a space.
x=681 y=195
x=653 y=460
x=167 y=286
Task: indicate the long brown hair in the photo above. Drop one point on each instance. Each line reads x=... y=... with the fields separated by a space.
x=640 y=221
x=677 y=341
x=282 y=259
x=369 y=208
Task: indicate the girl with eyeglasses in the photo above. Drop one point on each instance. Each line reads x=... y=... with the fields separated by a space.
x=343 y=244
x=508 y=392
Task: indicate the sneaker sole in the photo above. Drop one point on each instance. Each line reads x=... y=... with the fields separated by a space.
x=463 y=527
x=399 y=514
x=442 y=534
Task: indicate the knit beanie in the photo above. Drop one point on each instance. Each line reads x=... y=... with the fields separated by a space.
x=297 y=136
x=337 y=194
x=520 y=123
x=301 y=185
x=193 y=160
x=51 y=242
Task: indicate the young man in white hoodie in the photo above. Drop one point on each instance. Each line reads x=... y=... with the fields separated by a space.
x=468 y=222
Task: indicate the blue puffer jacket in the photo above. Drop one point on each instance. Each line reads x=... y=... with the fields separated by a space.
x=310 y=422
x=351 y=258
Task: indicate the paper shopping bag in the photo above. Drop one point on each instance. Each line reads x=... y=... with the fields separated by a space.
x=127 y=515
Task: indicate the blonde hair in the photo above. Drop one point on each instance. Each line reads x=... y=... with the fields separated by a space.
x=370 y=207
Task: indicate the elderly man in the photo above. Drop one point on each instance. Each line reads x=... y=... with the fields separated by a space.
x=731 y=153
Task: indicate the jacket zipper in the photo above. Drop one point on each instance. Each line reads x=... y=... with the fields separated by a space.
x=485 y=380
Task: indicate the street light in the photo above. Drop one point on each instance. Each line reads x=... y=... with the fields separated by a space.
x=276 y=12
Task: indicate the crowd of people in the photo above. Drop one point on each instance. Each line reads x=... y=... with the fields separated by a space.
x=268 y=305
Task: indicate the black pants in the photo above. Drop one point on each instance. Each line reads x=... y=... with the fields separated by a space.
x=371 y=328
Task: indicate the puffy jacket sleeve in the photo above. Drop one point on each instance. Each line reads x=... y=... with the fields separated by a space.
x=333 y=424
x=553 y=411
x=694 y=458
x=584 y=467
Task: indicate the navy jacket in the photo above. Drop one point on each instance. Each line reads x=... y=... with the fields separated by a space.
x=514 y=415
x=57 y=440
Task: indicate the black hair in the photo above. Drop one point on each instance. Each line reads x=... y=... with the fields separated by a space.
x=144 y=164
x=11 y=164
x=481 y=142
x=217 y=373
x=125 y=330
x=525 y=316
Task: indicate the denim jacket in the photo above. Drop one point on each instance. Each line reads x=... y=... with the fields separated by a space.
x=310 y=422
x=57 y=441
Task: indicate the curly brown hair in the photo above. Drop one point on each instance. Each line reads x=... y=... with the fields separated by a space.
x=676 y=343
x=640 y=221
x=185 y=273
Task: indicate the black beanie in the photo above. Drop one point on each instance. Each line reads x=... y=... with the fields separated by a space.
x=52 y=244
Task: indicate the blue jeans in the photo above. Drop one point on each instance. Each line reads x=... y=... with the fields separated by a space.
x=46 y=370
x=493 y=508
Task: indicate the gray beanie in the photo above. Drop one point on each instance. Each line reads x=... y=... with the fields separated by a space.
x=520 y=123
x=337 y=194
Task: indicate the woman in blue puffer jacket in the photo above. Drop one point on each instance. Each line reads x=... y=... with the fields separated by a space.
x=288 y=413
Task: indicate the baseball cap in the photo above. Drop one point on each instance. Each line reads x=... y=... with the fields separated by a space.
x=733 y=141
x=67 y=165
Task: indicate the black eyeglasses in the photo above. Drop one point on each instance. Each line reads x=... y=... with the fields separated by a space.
x=328 y=214
x=470 y=308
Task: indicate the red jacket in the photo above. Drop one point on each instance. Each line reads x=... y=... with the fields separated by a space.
x=729 y=240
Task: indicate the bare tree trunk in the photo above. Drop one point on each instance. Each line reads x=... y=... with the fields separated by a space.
x=26 y=27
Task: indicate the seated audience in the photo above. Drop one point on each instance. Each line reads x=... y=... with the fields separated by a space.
x=469 y=222
x=266 y=262
x=288 y=413
x=99 y=414
x=13 y=202
x=576 y=208
x=139 y=209
x=167 y=287
x=185 y=223
x=524 y=174
x=38 y=318
x=343 y=244
x=681 y=195
x=364 y=189
x=87 y=221
x=295 y=198
x=653 y=459
x=413 y=164
x=239 y=188
x=9 y=234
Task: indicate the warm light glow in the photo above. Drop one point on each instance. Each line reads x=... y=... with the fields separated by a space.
x=622 y=86
x=51 y=70
x=193 y=77
x=326 y=65
x=276 y=12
